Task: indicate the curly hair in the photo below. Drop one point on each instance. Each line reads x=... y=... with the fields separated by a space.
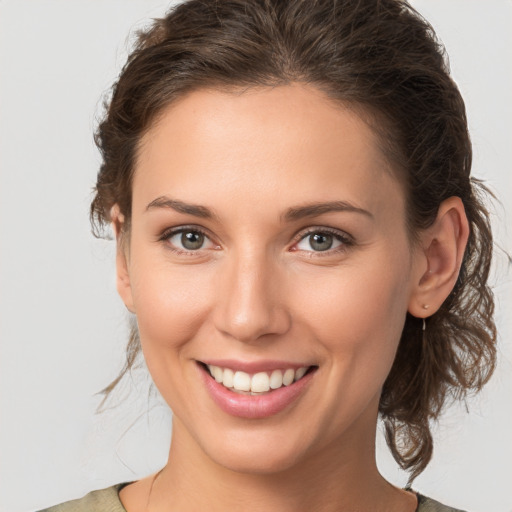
x=382 y=58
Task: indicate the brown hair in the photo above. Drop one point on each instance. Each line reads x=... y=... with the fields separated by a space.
x=382 y=57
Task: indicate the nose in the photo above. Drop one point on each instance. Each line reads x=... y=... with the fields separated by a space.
x=251 y=299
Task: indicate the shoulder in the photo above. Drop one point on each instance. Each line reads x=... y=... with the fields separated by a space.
x=107 y=500
x=429 y=505
x=104 y=500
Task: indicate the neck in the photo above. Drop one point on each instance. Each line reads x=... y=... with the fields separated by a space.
x=337 y=478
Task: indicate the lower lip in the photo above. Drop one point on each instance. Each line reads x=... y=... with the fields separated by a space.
x=254 y=406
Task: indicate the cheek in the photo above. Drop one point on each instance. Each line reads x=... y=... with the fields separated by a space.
x=357 y=313
x=171 y=303
x=172 y=306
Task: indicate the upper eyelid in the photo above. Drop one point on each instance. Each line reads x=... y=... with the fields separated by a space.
x=321 y=229
x=168 y=232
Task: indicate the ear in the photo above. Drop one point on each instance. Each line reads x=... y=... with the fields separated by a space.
x=439 y=258
x=122 y=264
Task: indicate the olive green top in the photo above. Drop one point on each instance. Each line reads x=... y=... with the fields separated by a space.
x=107 y=500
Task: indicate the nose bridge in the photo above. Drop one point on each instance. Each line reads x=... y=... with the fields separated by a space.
x=249 y=303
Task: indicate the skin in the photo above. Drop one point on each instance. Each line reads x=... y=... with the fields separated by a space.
x=258 y=290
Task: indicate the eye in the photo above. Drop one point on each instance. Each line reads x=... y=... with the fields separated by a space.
x=187 y=240
x=321 y=240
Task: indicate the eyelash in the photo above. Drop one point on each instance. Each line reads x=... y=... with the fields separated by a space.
x=345 y=239
x=169 y=233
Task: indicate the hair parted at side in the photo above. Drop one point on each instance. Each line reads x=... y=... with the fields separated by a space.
x=383 y=58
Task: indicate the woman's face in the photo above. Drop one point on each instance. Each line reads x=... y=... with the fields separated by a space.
x=267 y=239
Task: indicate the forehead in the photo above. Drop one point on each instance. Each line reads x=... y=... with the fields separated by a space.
x=279 y=145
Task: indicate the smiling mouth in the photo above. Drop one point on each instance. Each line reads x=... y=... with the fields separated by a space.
x=258 y=383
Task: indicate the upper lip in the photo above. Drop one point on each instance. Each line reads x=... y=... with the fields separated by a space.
x=254 y=366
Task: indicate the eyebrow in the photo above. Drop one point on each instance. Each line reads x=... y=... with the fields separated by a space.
x=181 y=207
x=292 y=214
x=315 y=209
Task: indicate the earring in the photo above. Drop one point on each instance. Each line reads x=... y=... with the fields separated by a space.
x=424 y=326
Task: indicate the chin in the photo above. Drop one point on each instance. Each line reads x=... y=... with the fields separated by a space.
x=261 y=453
x=263 y=463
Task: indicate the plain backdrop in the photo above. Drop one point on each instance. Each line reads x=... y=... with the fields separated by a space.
x=62 y=326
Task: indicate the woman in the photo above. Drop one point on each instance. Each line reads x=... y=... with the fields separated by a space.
x=302 y=247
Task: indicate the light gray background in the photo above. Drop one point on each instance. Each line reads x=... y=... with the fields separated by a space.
x=62 y=327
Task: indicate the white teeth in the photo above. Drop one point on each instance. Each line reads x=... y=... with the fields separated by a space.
x=276 y=379
x=242 y=381
x=300 y=373
x=227 y=380
x=217 y=373
x=260 y=382
x=288 y=376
